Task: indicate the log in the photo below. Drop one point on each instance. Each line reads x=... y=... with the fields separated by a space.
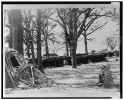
x=38 y=74
x=23 y=69
x=42 y=77
x=24 y=81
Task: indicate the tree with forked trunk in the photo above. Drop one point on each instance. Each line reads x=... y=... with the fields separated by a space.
x=76 y=21
x=72 y=25
x=91 y=25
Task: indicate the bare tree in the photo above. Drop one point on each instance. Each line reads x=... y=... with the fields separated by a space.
x=46 y=27
x=114 y=14
x=69 y=21
x=74 y=23
x=90 y=26
x=111 y=42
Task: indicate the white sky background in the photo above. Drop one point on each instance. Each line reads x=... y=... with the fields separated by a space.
x=99 y=35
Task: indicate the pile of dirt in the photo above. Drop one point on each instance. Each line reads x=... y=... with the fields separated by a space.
x=20 y=73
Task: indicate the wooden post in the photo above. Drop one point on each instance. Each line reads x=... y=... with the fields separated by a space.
x=32 y=74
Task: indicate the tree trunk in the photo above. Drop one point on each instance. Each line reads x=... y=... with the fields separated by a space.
x=46 y=48
x=67 y=46
x=73 y=54
x=14 y=37
x=10 y=22
x=10 y=38
x=16 y=30
x=85 y=42
x=20 y=36
x=32 y=53
x=39 y=56
x=28 y=51
x=67 y=51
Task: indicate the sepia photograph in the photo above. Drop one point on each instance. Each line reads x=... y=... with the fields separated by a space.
x=61 y=50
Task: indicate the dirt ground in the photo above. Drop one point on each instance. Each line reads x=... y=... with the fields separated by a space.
x=80 y=82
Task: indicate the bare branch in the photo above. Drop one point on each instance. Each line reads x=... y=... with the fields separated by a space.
x=90 y=23
x=62 y=25
x=57 y=22
x=82 y=12
x=82 y=33
x=97 y=28
x=90 y=39
x=60 y=16
x=52 y=28
x=98 y=16
x=54 y=40
x=85 y=12
x=81 y=28
x=8 y=26
x=80 y=23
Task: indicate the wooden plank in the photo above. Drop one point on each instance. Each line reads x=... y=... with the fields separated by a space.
x=10 y=77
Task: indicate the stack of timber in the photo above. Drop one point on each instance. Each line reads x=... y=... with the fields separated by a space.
x=19 y=71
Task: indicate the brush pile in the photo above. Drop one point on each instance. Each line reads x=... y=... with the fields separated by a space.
x=21 y=72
